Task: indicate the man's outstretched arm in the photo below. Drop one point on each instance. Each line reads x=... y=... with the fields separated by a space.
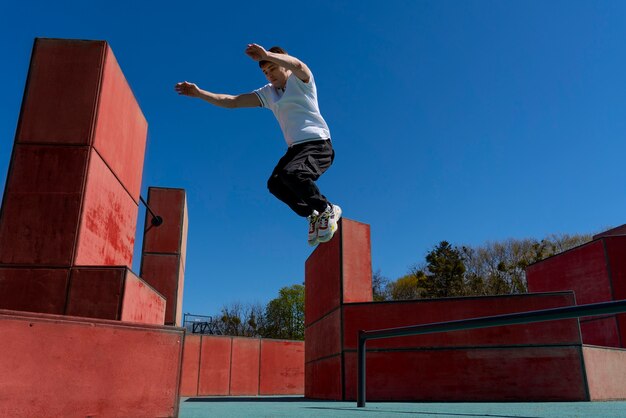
x=222 y=100
x=300 y=69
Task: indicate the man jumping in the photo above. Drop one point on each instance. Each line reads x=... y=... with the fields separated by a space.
x=292 y=96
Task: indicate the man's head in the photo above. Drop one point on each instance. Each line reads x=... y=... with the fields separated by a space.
x=274 y=73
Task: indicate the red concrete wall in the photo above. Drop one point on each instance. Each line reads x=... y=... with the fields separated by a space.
x=606 y=373
x=164 y=248
x=471 y=375
x=237 y=366
x=41 y=205
x=190 y=366
x=596 y=272
x=281 y=367
x=215 y=361
x=54 y=190
x=71 y=367
x=244 y=367
x=540 y=361
x=72 y=190
x=34 y=290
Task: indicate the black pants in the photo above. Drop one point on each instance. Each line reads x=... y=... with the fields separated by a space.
x=293 y=179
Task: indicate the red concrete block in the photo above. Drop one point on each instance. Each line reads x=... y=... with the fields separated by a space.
x=141 y=302
x=620 y=230
x=282 y=368
x=170 y=237
x=323 y=338
x=108 y=221
x=606 y=373
x=51 y=111
x=96 y=292
x=121 y=128
x=71 y=367
x=33 y=290
x=322 y=280
x=323 y=379
x=41 y=205
x=602 y=331
x=471 y=375
x=215 y=359
x=245 y=363
x=582 y=269
x=191 y=366
x=616 y=259
x=381 y=315
x=165 y=273
x=356 y=261
x=113 y=293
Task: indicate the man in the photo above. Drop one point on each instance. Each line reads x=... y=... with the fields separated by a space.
x=292 y=96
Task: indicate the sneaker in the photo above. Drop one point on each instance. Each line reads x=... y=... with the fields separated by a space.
x=327 y=223
x=313 y=228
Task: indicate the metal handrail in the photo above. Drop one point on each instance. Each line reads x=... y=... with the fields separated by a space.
x=482 y=322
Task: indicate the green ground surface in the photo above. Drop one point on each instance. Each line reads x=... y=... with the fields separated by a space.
x=296 y=407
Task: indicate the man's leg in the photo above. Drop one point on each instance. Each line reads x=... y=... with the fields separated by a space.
x=301 y=171
x=279 y=189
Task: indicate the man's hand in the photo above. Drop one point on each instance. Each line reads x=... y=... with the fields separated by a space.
x=256 y=52
x=187 y=89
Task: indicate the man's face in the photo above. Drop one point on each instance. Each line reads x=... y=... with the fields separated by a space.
x=276 y=75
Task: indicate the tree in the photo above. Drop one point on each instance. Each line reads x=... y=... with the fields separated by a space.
x=445 y=271
x=241 y=320
x=411 y=286
x=380 y=287
x=284 y=316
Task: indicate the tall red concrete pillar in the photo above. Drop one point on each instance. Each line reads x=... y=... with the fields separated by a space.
x=72 y=190
x=337 y=272
x=165 y=247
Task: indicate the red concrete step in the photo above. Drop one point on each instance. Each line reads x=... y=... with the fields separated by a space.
x=62 y=366
x=92 y=292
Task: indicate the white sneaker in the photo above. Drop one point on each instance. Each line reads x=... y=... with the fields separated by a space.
x=327 y=223
x=313 y=228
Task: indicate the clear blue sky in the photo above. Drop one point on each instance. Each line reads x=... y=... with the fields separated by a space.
x=469 y=121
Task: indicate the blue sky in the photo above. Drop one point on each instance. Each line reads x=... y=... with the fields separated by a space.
x=466 y=121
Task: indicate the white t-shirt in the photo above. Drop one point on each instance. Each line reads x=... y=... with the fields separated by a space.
x=296 y=110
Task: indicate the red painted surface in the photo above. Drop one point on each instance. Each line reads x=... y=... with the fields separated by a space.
x=52 y=112
x=244 y=374
x=616 y=255
x=323 y=379
x=606 y=373
x=603 y=331
x=190 y=366
x=513 y=374
x=214 y=375
x=282 y=368
x=121 y=128
x=108 y=221
x=33 y=289
x=597 y=273
x=70 y=367
x=171 y=205
x=162 y=271
x=620 y=230
x=357 y=262
x=164 y=247
x=41 y=205
x=113 y=293
x=582 y=269
x=96 y=292
x=323 y=338
x=380 y=315
x=141 y=302
x=322 y=280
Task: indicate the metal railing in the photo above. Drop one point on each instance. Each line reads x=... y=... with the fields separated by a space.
x=568 y=312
